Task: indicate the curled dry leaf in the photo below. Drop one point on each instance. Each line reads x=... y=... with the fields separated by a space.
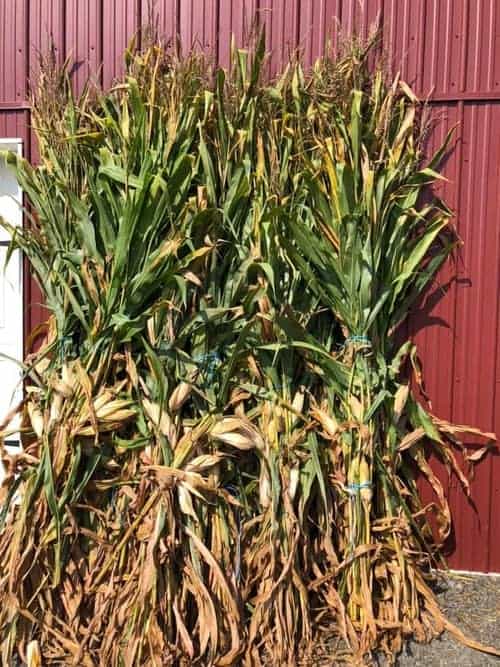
x=179 y=396
x=237 y=432
x=328 y=422
x=158 y=417
x=411 y=438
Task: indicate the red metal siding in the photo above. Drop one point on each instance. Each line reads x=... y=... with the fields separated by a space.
x=235 y=19
x=318 y=22
x=449 y=49
x=124 y=17
x=282 y=29
x=12 y=52
x=84 y=37
x=164 y=15
x=198 y=20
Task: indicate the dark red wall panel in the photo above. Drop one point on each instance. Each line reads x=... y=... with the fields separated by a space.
x=124 y=17
x=84 y=38
x=448 y=49
x=319 y=22
x=162 y=16
x=13 y=42
x=236 y=19
x=198 y=21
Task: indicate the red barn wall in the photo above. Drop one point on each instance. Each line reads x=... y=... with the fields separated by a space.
x=447 y=49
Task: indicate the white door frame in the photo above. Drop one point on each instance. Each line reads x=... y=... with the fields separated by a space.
x=11 y=300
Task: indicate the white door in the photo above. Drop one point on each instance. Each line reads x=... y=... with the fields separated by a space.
x=11 y=297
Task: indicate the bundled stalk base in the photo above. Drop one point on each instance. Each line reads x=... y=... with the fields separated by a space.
x=220 y=440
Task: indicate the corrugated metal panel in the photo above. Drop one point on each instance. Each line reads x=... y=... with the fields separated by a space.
x=449 y=33
x=12 y=51
x=476 y=312
x=282 y=29
x=404 y=37
x=163 y=17
x=46 y=25
x=124 y=16
x=47 y=30
x=198 y=21
x=359 y=17
x=13 y=123
x=318 y=24
x=235 y=19
x=84 y=38
x=448 y=47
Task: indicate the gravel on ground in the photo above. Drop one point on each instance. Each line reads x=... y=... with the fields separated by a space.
x=470 y=601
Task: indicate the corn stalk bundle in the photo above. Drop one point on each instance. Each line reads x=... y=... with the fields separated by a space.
x=220 y=437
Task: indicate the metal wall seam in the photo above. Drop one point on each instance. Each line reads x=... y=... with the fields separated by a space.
x=83 y=31
x=234 y=19
x=12 y=51
x=198 y=21
x=162 y=16
x=124 y=16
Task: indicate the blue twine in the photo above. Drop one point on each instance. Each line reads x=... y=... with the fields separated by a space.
x=364 y=340
x=354 y=488
x=208 y=363
x=208 y=357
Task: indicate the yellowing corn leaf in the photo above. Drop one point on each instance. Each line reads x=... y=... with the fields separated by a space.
x=33 y=654
x=411 y=438
x=116 y=410
x=204 y=462
x=400 y=399
x=328 y=422
x=185 y=501
x=356 y=408
x=192 y=278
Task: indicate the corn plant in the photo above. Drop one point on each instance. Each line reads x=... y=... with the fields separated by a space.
x=368 y=246
x=220 y=438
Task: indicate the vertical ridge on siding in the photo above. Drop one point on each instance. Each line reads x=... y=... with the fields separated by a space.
x=319 y=22
x=84 y=38
x=13 y=84
x=163 y=15
x=125 y=17
x=235 y=19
